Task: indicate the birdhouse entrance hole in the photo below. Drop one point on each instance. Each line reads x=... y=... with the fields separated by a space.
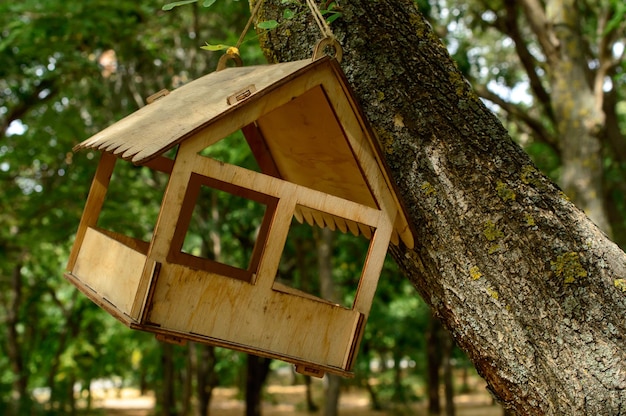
x=220 y=264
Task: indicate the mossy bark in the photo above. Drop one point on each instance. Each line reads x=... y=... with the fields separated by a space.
x=523 y=279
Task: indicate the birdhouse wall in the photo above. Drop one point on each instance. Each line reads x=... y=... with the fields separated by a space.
x=244 y=314
x=108 y=265
x=110 y=269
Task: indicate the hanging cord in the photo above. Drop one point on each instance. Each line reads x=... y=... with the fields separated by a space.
x=257 y=6
x=232 y=53
x=329 y=40
x=319 y=19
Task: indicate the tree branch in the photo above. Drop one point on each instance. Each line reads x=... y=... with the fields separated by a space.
x=607 y=62
x=535 y=126
x=615 y=139
x=511 y=29
x=539 y=24
x=27 y=103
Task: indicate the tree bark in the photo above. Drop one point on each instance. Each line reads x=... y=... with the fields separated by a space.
x=167 y=402
x=448 y=379
x=530 y=288
x=311 y=407
x=206 y=377
x=13 y=344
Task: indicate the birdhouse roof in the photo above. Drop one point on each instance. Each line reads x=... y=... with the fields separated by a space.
x=297 y=110
x=156 y=128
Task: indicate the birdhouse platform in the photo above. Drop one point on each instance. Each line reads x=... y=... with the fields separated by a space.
x=319 y=162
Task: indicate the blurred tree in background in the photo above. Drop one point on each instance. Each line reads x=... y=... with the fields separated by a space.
x=555 y=72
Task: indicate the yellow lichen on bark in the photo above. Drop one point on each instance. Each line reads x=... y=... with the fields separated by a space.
x=505 y=193
x=493 y=293
x=475 y=273
x=428 y=189
x=567 y=266
x=491 y=231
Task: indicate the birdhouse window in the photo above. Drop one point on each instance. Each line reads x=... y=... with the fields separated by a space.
x=299 y=270
x=209 y=209
x=129 y=210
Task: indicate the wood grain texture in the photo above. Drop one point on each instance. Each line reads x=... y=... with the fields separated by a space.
x=110 y=268
x=253 y=315
x=320 y=164
x=93 y=205
x=143 y=135
x=302 y=124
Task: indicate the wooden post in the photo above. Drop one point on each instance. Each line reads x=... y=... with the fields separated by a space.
x=93 y=206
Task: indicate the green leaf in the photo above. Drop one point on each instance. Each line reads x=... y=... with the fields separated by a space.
x=333 y=17
x=170 y=6
x=288 y=14
x=268 y=24
x=208 y=3
x=218 y=47
x=618 y=17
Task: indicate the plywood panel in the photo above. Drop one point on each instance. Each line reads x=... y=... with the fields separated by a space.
x=201 y=303
x=275 y=187
x=161 y=125
x=309 y=148
x=95 y=200
x=110 y=268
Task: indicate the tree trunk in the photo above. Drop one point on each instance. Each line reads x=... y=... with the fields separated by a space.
x=311 y=407
x=257 y=371
x=399 y=392
x=167 y=402
x=530 y=288
x=187 y=381
x=13 y=344
x=374 y=401
x=324 y=242
x=433 y=356
x=206 y=377
x=578 y=111
x=446 y=364
x=332 y=393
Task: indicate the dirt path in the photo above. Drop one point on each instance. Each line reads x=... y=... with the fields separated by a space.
x=289 y=400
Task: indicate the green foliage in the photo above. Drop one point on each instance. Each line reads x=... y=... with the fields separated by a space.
x=66 y=75
x=268 y=24
x=170 y=6
x=393 y=346
x=332 y=12
x=61 y=84
x=213 y=48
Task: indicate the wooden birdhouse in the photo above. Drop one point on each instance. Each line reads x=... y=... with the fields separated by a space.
x=319 y=163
